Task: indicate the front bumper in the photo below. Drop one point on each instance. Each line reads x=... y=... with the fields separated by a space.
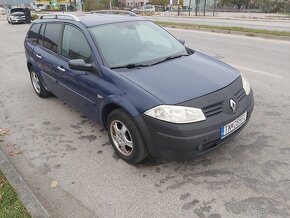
x=186 y=141
x=18 y=20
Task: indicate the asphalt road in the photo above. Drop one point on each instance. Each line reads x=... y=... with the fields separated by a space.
x=277 y=25
x=248 y=176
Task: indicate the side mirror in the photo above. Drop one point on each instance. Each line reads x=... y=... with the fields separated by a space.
x=181 y=41
x=80 y=64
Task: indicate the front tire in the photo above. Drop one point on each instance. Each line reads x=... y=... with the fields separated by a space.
x=125 y=137
x=38 y=85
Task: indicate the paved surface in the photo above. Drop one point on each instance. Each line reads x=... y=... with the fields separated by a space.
x=29 y=200
x=248 y=176
x=281 y=25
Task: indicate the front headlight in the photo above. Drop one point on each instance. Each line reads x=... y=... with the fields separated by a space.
x=176 y=114
x=246 y=85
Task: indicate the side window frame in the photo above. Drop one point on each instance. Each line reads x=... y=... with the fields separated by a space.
x=29 y=39
x=43 y=25
x=92 y=59
x=59 y=38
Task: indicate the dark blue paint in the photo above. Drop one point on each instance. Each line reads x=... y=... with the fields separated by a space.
x=134 y=90
x=184 y=78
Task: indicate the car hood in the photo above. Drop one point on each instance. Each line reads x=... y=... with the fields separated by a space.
x=184 y=78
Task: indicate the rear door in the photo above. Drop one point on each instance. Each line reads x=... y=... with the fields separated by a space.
x=31 y=40
x=46 y=53
x=78 y=88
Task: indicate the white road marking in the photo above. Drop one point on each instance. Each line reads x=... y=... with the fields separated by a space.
x=257 y=71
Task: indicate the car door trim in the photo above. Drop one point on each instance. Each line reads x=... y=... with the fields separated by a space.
x=60 y=83
x=49 y=76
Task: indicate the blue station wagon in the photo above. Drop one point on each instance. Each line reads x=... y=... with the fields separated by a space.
x=153 y=95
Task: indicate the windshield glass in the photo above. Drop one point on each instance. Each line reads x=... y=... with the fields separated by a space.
x=17 y=11
x=137 y=42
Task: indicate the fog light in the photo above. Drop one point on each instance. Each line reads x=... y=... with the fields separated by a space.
x=199 y=147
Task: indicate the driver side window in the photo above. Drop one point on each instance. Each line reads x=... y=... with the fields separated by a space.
x=74 y=44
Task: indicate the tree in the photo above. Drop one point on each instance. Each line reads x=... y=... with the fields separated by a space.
x=90 y=5
x=240 y=3
x=158 y=2
x=104 y=4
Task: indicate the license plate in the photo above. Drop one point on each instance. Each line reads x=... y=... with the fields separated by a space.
x=234 y=125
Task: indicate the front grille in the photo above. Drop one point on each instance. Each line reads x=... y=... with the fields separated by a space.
x=240 y=94
x=213 y=109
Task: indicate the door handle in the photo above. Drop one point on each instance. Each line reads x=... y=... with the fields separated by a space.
x=61 y=69
x=38 y=55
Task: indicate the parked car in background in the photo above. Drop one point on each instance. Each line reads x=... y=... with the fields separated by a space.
x=147 y=8
x=136 y=10
x=18 y=15
x=150 y=92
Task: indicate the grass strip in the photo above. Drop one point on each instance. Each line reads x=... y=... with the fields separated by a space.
x=10 y=204
x=223 y=28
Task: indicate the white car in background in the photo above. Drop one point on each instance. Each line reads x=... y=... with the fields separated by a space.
x=147 y=8
x=16 y=15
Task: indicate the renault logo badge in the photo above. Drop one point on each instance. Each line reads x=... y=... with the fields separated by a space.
x=233 y=105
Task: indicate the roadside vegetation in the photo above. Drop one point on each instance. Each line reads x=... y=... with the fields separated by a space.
x=267 y=6
x=225 y=29
x=10 y=204
x=34 y=16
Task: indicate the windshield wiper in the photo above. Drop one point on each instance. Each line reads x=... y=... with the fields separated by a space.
x=169 y=58
x=131 y=66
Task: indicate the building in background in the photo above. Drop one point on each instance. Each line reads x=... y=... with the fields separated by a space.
x=56 y=4
x=132 y=3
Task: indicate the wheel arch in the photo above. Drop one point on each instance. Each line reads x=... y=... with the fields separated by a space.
x=107 y=109
x=29 y=66
x=115 y=103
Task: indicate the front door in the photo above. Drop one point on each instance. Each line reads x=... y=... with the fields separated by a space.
x=78 y=88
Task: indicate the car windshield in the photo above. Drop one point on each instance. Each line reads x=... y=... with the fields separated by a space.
x=135 y=43
x=17 y=11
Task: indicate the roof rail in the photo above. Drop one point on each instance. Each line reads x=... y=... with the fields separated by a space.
x=130 y=13
x=59 y=16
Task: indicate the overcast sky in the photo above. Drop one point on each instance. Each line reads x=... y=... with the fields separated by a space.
x=14 y=2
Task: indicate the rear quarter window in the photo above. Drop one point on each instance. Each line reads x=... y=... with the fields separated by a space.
x=51 y=36
x=33 y=33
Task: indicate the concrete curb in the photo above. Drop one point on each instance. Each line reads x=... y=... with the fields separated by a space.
x=29 y=200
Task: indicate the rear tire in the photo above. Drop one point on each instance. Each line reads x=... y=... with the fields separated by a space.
x=125 y=137
x=37 y=85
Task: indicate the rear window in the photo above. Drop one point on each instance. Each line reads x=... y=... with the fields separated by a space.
x=33 y=33
x=51 y=36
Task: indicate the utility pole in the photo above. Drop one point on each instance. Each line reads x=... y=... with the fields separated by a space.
x=178 y=8
x=189 y=7
x=196 y=2
x=214 y=6
x=204 y=7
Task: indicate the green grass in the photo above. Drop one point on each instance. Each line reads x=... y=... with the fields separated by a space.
x=10 y=204
x=248 y=31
